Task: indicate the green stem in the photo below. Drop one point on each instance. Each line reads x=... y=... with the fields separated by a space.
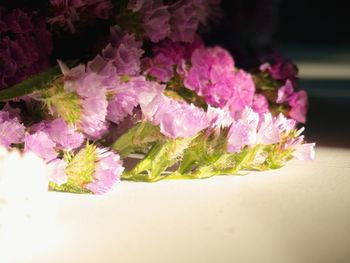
x=35 y=83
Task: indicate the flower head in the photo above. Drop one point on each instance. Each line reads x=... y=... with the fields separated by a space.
x=84 y=94
x=25 y=46
x=211 y=75
x=65 y=136
x=155 y=18
x=124 y=51
x=280 y=68
x=243 y=131
x=11 y=130
x=68 y=12
x=92 y=169
x=107 y=172
x=41 y=144
x=296 y=100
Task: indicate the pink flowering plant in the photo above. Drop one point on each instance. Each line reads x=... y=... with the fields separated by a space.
x=149 y=89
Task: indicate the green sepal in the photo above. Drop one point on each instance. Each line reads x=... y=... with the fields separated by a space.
x=161 y=157
x=137 y=138
x=65 y=104
x=79 y=171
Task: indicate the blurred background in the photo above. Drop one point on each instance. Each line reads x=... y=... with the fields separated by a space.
x=316 y=35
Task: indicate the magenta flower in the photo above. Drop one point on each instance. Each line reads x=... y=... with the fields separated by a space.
x=184 y=21
x=280 y=68
x=25 y=46
x=41 y=144
x=68 y=12
x=298 y=103
x=155 y=18
x=11 y=130
x=296 y=100
x=160 y=67
x=107 y=172
x=211 y=75
x=285 y=92
x=243 y=92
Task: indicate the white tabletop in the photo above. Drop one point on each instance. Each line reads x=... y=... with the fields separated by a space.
x=300 y=213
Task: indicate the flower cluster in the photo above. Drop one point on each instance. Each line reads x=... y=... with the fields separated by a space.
x=25 y=46
x=68 y=12
x=151 y=88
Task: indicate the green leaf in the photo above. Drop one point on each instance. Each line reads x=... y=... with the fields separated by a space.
x=30 y=85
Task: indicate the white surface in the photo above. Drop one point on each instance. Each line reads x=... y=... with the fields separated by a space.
x=300 y=213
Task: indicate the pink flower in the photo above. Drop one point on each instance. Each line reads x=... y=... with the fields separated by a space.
x=11 y=130
x=67 y=12
x=280 y=68
x=160 y=67
x=218 y=118
x=176 y=119
x=91 y=89
x=268 y=130
x=56 y=171
x=41 y=144
x=304 y=152
x=298 y=102
x=211 y=75
x=184 y=21
x=107 y=172
x=65 y=136
x=260 y=104
x=243 y=131
x=243 y=92
x=124 y=52
x=285 y=92
x=125 y=98
x=155 y=18
x=301 y=151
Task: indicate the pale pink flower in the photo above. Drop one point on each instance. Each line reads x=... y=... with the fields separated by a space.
x=11 y=130
x=56 y=171
x=41 y=144
x=107 y=172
